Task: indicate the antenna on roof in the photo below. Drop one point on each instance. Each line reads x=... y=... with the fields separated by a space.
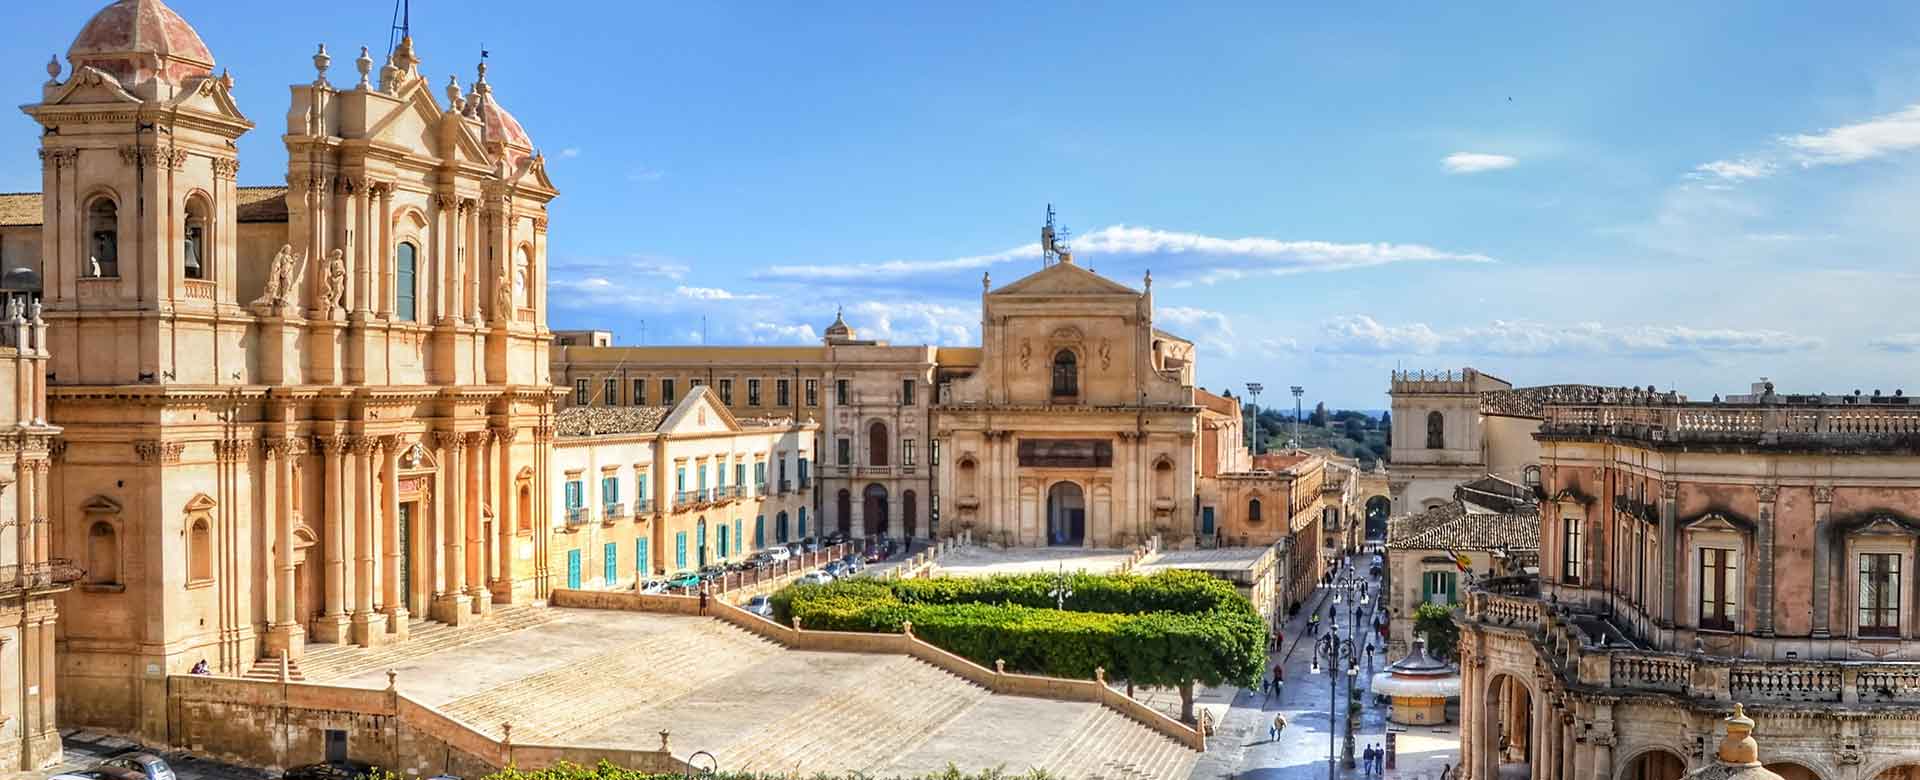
x=402 y=24
x=1047 y=256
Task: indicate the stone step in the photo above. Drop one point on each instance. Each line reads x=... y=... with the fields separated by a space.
x=334 y=662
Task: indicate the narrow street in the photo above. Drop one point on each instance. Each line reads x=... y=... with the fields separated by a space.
x=1244 y=751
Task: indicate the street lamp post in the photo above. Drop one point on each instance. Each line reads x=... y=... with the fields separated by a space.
x=1297 y=392
x=1330 y=647
x=1253 y=390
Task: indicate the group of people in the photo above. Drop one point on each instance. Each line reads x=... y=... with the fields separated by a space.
x=1373 y=761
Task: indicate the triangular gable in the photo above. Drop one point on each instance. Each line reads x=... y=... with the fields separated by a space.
x=100 y=505
x=699 y=412
x=1065 y=279
x=199 y=503
x=534 y=174
x=91 y=85
x=414 y=124
x=1715 y=521
x=209 y=96
x=418 y=457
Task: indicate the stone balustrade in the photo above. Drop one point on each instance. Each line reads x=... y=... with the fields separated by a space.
x=1501 y=610
x=1734 y=423
x=1789 y=682
x=1650 y=671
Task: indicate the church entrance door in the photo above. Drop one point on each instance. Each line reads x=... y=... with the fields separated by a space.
x=1066 y=515
x=874 y=513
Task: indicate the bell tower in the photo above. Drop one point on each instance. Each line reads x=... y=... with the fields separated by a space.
x=138 y=169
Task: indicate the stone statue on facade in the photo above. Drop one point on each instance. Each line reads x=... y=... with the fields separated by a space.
x=16 y=311
x=282 y=274
x=33 y=312
x=503 y=298
x=334 y=295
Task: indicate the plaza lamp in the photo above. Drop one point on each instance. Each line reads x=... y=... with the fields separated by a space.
x=1329 y=648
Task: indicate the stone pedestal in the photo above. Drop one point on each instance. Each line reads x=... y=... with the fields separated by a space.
x=369 y=628
x=288 y=639
x=397 y=621
x=502 y=591
x=332 y=629
x=453 y=609
x=482 y=599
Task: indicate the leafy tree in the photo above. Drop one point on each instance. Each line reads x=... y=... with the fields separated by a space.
x=1356 y=430
x=607 y=771
x=1319 y=417
x=1435 y=622
x=1386 y=426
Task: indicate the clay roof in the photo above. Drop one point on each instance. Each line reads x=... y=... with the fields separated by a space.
x=122 y=38
x=255 y=204
x=20 y=208
x=1278 y=461
x=1455 y=526
x=592 y=420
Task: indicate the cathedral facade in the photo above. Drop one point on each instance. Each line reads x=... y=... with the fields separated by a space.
x=292 y=414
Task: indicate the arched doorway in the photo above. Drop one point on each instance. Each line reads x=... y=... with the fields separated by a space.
x=1066 y=515
x=1379 y=508
x=909 y=514
x=843 y=503
x=1507 y=728
x=1789 y=770
x=1902 y=772
x=878 y=444
x=1655 y=764
x=873 y=510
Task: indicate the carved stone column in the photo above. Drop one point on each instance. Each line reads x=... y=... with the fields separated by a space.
x=392 y=597
x=287 y=636
x=369 y=625
x=506 y=516
x=1763 y=565
x=476 y=552
x=332 y=624
x=453 y=606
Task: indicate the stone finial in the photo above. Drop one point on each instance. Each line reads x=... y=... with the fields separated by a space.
x=1149 y=280
x=480 y=85
x=364 y=64
x=454 y=102
x=53 y=69
x=1100 y=674
x=986 y=281
x=393 y=680
x=321 y=60
x=1739 y=747
x=664 y=736
x=226 y=79
x=906 y=627
x=1000 y=665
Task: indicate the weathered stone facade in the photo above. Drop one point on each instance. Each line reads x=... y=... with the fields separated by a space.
x=291 y=414
x=1696 y=555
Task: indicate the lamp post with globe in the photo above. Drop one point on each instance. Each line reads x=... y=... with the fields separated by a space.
x=1328 y=651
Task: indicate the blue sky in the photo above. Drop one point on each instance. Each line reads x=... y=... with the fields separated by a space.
x=1690 y=195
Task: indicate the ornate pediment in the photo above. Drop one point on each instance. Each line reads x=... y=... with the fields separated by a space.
x=416 y=457
x=100 y=505
x=1883 y=525
x=91 y=85
x=1065 y=279
x=1716 y=522
x=210 y=96
x=199 y=503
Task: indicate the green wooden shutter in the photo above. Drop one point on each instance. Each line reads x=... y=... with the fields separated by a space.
x=611 y=569
x=640 y=558
x=760 y=531
x=1426 y=587
x=680 y=550
x=573 y=569
x=739 y=537
x=1453 y=596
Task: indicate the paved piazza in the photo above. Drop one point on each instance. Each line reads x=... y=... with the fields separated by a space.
x=981 y=561
x=616 y=679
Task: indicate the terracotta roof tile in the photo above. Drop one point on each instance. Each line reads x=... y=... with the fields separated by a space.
x=593 y=420
x=20 y=208
x=1453 y=526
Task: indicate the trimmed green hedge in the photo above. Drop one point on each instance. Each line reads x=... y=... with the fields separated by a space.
x=1170 y=628
x=607 y=771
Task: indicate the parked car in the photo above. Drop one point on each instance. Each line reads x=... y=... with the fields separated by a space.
x=760 y=605
x=651 y=587
x=777 y=554
x=687 y=583
x=874 y=555
x=100 y=773
x=329 y=770
x=148 y=765
x=835 y=537
x=816 y=578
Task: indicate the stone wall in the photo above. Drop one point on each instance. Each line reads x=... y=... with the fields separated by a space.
x=279 y=725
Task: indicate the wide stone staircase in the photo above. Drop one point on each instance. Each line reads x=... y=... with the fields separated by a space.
x=1105 y=744
x=862 y=727
x=326 y=663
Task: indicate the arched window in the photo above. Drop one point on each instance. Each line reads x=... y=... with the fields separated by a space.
x=405 y=267
x=877 y=443
x=1253 y=511
x=103 y=237
x=1436 y=431
x=523 y=511
x=780 y=528
x=193 y=255
x=200 y=550
x=1531 y=476
x=103 y=554
x=1163 y=479
x=969 y=478
x=523 y=279
x=1066 y=373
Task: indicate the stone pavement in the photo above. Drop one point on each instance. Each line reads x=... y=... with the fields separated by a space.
x=1241 y=749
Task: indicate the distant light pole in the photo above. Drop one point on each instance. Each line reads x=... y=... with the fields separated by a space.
x=1253 y=389
x=1297 y=392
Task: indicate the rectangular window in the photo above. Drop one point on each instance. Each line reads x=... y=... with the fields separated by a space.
x=753 y=392
x=813 y=392
x=579 y=392
x=640 y=486
x=405 y=269
x=760 y=477
x=609 y=490
x=639 y=397
x=726 y=392
x=680 y=550
x=759 y=532
x=703 y=477
x=740 y=473
x=842 y=392
x=1438 y=587
x=782 y=392
x=738 y=537
x=933 y=452
x=1880 y=594
x=640 y=556
x=803 y=472
x=612 y=389
x=906 y=392
x=906 y=452
x=844 y=448
x=680 y=479
x=720 y=474
x=1717 y=588
x=693 y=383
x=666 y=392
x=575 y=494
x=1572 y=555
x=610 y=569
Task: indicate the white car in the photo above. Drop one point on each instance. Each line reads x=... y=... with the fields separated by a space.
x=816 y=578
x=778 y=553
x=651 y=587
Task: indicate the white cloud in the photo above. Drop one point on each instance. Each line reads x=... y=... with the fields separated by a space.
x=1207 y=259
x=1211 y=330
x=1859 y=141
x=1734 y=170
x=776 y=333
x=1477 y=162
x=645 y=174
x=570 y=152
x=1359 y=334
x=1903 y=343
x=714 y=294
x=908 y=322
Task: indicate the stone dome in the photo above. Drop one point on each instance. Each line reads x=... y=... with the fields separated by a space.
x=138 y=40
x=501 y=126
x=839 y=330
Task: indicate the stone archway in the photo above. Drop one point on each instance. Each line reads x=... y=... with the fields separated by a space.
x=1898 y=772
x=1791 y=770
x=1506 y=727
x=1066 y=515
x=873 y=513
x=1654 y=764
x=1379 y=509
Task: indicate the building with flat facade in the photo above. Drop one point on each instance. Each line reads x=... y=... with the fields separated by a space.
x=316 y=412
x=655 y=491
x=1491 y=528
x=1693 y=555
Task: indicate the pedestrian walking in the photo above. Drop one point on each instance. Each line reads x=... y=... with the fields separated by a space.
x=1274 y=728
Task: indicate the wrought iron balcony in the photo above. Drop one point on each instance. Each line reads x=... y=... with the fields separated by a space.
x=577 y=515
x=613 y=510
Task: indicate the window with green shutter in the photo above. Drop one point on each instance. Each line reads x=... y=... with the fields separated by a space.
x=760 y=531
x=680 y=550
x=738 y=537
x=1438 y=587
x=803 y=522
x=723 y=541
x=575 y=499
x=609 y=490
x=611 y=570
x=640 y=557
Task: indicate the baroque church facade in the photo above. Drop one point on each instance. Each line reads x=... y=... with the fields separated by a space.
x=316 y=412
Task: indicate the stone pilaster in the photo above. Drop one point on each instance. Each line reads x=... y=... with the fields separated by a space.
x=1822 y=563
x=453 y=606
x=331 y=626
x=1674 y=604
x=1763 y=565
x=477 y=588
